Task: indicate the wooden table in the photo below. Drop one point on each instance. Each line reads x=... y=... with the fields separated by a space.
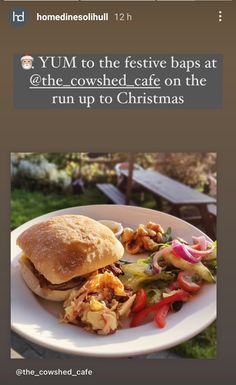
x=176 y=193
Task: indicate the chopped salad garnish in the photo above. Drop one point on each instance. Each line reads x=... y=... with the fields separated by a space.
x=168 y=277
x=180 y=295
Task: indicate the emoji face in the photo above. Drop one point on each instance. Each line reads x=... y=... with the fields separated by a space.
x=27 y=62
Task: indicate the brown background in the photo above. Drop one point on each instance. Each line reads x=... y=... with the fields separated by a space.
x=157 y=27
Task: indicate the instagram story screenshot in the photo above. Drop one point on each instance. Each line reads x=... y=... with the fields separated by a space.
x=118 y=191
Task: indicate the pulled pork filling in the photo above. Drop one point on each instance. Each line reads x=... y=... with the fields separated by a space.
x=114 y=268
x=72 y=283
x=99 y=305
x=44 y=283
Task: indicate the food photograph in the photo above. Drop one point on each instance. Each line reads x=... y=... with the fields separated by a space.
x=113 y=255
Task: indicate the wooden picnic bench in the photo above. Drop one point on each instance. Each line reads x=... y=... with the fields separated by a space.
x=113 y=194
x=212 y=210
x=177 y=194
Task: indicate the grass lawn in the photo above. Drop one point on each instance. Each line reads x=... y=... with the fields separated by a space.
x=201 y=346
x=26 y=205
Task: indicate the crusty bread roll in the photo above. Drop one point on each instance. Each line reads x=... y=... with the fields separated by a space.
x=68 y=246
x=33 y=283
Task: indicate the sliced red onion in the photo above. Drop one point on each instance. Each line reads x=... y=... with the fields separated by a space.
x=187 y=252
x=201 y=242
x=156 y=257
x=199 y=253
x=183 y=252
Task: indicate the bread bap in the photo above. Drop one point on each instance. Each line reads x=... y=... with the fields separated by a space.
x=34 y=284
x=68 y=246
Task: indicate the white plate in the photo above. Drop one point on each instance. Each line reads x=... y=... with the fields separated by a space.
x=37 y=320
